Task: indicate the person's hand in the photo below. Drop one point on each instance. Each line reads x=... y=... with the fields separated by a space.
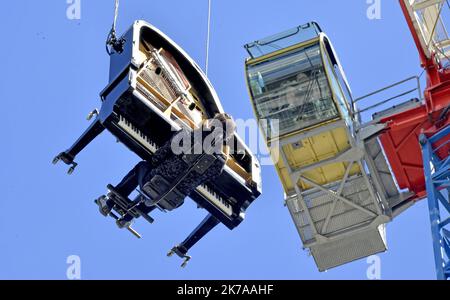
x=205 y=125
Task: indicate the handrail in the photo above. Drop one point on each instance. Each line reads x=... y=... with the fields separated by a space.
x=386 y=101
x=417 y=88
x=391 y=86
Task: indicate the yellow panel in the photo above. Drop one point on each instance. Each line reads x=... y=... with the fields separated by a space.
x=313 y=150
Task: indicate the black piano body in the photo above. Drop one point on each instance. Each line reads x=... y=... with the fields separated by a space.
x=140 y=114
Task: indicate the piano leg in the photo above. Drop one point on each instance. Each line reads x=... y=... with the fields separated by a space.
x=205 y=226
x=88 y=136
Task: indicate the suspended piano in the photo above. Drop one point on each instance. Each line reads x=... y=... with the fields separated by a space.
x=338 y=186
x=154 y=89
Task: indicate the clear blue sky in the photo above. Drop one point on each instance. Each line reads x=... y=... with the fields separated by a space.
x=53 y=70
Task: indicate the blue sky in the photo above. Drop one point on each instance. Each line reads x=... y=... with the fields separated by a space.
x=53 y=71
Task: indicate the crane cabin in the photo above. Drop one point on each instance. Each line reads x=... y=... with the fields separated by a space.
x=331 y=175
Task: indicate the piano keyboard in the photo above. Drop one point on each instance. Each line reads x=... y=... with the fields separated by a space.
x=148 y=144
x=134 y=132
x=217 y=200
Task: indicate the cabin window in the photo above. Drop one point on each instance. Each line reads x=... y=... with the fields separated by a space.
x=343 y=83
x=283 y=40
x=338 y=90
x=292 y=89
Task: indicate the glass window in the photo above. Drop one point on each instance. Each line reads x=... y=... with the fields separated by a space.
x=283 y=40
x=344 y=86
x=292 y=89
x=338 y=91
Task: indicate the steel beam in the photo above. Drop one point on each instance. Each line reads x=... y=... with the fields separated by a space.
x=438 y=189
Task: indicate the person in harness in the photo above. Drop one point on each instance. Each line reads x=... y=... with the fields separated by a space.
x=175 y=162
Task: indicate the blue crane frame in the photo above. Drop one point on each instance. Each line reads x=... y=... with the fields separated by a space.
x=437 y=177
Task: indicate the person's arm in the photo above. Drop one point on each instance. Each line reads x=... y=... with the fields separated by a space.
x=226 y=152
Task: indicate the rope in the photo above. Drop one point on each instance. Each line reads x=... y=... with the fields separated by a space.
x=208 y=37
x=116 y=13
x=112 y=43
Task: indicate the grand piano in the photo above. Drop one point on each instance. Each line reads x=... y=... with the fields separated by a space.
x=154 y=89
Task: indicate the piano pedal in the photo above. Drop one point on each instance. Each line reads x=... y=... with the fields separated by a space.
x=128 y=227
x=92 y=114
x=123 y=224
x=134 y=232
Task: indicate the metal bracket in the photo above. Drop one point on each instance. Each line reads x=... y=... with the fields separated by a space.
x=177 y=251
x=92 y=114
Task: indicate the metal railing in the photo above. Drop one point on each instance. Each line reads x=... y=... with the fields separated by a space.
x=389 y=99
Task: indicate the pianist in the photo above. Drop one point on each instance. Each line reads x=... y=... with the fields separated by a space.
x=168 y=162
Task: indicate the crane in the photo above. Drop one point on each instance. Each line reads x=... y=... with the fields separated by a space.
x=431 y=38
x=344 y=176
x=416 y=138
